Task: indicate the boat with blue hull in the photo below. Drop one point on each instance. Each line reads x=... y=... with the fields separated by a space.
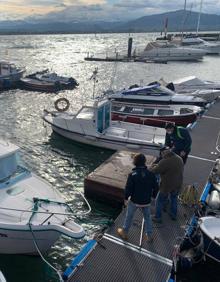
x=10 y=75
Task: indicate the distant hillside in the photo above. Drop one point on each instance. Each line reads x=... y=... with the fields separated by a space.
x=175 y=22
x=150 y=23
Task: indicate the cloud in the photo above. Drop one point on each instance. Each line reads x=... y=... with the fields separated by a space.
x=97 y=9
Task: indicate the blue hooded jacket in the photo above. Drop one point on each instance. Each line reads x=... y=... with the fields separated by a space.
x=141 y=186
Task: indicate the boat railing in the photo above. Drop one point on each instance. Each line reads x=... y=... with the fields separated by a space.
x=150 y=119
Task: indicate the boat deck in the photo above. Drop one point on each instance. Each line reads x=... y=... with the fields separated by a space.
x=112 y=259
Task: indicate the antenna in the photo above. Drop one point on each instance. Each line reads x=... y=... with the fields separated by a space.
x=199 y=17
x=95 y=80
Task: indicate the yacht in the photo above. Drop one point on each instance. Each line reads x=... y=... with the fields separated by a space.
x=154 y=93
x=166 y=51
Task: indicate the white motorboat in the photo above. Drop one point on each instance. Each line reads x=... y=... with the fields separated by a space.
x=31 y=211
x=155 y=93
x=9 y=75
x=198 y=43
x=92 y=125
x=191 y=85
x=210 y=227
x=166 y=51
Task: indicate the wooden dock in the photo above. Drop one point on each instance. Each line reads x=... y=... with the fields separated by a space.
x=107 y=182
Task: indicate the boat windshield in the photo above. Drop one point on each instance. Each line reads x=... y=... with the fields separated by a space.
x=18 y=172
x=86 y=113
x=153 y=90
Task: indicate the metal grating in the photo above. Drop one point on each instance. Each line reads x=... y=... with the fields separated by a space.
x=111 y=262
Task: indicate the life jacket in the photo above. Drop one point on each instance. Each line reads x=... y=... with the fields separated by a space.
x=178 y=132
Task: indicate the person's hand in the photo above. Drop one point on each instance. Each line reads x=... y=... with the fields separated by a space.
x=182 y=154
x=125 y=203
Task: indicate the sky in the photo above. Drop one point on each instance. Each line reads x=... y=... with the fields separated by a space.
x=93 y=9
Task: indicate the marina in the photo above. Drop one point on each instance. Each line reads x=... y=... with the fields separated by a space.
x=82 y=166
x=138 y=259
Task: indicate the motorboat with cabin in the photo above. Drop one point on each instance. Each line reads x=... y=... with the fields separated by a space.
x=92 y=125
x=154 y=93
x=197 y=43
x=9 y=75
x=48 y=82
x=166 y=51
x=208 y=90
x=155 y=115
x=32 y=212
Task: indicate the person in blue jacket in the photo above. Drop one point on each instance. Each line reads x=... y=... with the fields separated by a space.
x=140 y=187
x=179 y=140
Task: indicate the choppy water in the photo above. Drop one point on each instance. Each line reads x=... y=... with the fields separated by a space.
x=44 y=153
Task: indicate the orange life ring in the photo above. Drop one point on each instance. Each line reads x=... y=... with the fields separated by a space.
x=62 y=104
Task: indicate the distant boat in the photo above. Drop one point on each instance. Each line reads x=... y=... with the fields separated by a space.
x=197 y=43
x=48 y=82
x=191 y=85
x=154 y=93
x=92 y=125
x=9 y=75
x=31 y=210
x=166 y=51
x=155 y=115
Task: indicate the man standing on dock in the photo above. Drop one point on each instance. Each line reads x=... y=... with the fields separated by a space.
x=179 y=140
x=141 y=186
x=170 y=168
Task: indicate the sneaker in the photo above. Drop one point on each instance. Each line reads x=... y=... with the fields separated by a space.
x=148 y=238
x=156 y=219
x=122 y=233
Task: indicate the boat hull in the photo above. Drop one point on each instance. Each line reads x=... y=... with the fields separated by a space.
x=106 y=143
x=22 y=241
x=212 y=248
x=159 y=121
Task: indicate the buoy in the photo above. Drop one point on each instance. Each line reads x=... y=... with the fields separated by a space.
x=62 y=104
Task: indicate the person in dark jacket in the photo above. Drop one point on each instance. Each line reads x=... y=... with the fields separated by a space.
x=170 y=168
x=179 y=140
x=141 y=186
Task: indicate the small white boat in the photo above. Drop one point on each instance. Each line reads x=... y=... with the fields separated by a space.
x=166 y=51
x=2 y=277
x=155 y=93
x=210 y=227
x=197 y=43
x=92 y=125
x=31 y=211
x=9 y=75
x=191 y=85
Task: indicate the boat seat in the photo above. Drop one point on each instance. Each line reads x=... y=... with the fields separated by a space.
x=116 y=131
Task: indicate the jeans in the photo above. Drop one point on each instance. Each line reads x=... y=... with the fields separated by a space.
x=162 y=199
x=131 y=209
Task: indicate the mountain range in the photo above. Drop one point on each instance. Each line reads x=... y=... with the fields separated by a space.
x=177 y=21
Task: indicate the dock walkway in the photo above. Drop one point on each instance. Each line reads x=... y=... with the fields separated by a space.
x=113 y=259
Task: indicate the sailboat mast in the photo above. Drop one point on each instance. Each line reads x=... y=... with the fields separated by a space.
x=184 y=16
x=199 y=17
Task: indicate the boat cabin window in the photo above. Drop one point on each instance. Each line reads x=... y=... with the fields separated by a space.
x=118 y=108
x=185 y=111
x=86 y=113
x=165 y=112
x=128 y=109
x=148 y=111
x=8 y=166
x=137 y=111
